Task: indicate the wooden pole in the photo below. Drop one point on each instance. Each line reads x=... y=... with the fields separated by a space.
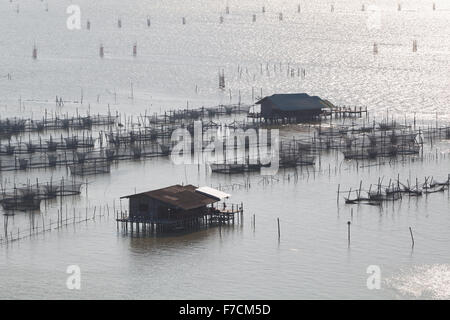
x=338 y=191
x=278 y=221
x=412 y=237
x=348 y=224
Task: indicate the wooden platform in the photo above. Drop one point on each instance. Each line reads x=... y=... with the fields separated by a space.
x=215 y=216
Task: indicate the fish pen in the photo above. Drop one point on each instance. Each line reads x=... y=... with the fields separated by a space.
x=164 y=132
x=84 y=154
x=285 y=162
x=17 y=125
x=90 y=168
x=232 y=168
x=135 y=152
x=394 y=190
x=24 y=199
x=371 y=142
x=10 y=126
x=38 y=161
x=292 y=153
x=84 y=160
x=29 y=197
x=179 y=116
x=70 y=142
x=124 y=137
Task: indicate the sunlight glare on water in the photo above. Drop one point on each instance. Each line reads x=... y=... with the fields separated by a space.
x=422 y=282
x=177 y=66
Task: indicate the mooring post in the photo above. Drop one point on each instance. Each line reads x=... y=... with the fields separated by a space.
x=348 y=224
x=242 y=211
x=412 y=237
x=339 y=187
x=359 y=191
x=278 y=221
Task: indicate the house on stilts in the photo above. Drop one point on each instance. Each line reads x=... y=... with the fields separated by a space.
x=177 y=208
x=292 y=107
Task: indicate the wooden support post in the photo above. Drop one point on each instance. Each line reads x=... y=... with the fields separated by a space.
x=348 y=224
x=412 y=237
x=338 y=190
x=279 y=235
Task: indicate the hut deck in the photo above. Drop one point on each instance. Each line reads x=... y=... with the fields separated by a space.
x=214 y=216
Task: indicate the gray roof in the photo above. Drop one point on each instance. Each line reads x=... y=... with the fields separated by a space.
x=296 y=102
x=184 y=197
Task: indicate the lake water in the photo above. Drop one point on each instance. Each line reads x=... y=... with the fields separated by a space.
x=178 y=65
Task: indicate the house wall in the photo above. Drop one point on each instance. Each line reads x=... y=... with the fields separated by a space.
x=271 y=111
x=142 y=206
x=297 y=114
x=266 y=108
x=275 y=113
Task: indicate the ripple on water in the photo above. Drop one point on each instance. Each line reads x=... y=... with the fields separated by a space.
x=422 y=282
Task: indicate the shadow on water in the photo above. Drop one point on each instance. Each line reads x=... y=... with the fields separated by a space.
x=180 y=239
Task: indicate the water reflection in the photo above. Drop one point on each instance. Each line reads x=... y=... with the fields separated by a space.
x=422 y=282
x=155 y=243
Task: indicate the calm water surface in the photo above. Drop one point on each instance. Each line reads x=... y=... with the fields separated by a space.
x=177 y=65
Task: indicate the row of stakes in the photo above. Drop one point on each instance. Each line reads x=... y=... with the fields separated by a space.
x=221 y=20
x=414 y=47
x=61 y=222
x=227 y=11
x=348 y=233
x=134 y=50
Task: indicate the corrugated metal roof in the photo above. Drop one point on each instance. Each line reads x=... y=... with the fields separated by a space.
x=184 y=197
x=329 y=104
x=213 y=193
x=296 y=102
